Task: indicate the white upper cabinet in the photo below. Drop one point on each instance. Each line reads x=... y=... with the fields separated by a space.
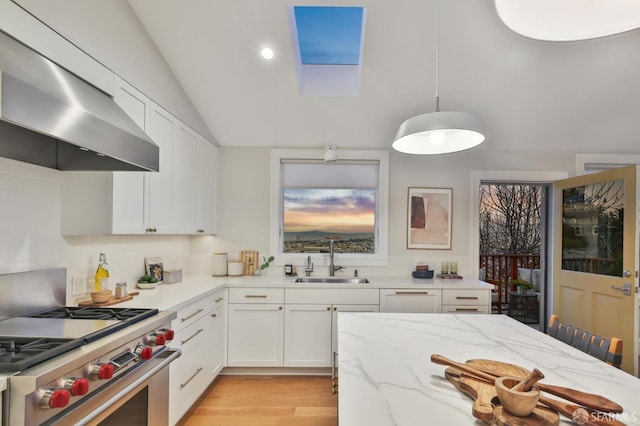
x=206 y=197
x=159 y=190
x=178 y=199
x=185 y=176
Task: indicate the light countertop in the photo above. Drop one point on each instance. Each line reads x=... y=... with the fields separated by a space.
x=386 y=376
x=173 y=296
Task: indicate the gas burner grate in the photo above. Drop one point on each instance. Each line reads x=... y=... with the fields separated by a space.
x=19 y=353
x=122 y=314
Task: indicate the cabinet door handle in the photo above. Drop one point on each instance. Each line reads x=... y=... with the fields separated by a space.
x=412 y=292
x=201 y=231
x=259 y=296
x=279 y=308
x=182 y=385
x=328 y=308
x=219 y=299
x=200 y=330
x=214 y=315
x=467 y=297
x=335 y=308
x=187 y=318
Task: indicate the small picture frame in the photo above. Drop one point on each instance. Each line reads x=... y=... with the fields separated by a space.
x=153 y=267
x=429 y=218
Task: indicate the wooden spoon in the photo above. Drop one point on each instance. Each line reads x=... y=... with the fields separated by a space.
x=589 y=400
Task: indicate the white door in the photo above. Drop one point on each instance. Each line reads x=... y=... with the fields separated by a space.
x=255 y=335
x=307 y=335
x=596 y=256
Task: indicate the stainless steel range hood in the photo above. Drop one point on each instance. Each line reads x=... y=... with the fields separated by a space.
x=51 y=118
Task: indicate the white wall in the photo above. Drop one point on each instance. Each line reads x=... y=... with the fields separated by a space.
x=30 y=238
x=243 y=199
x=111 y=33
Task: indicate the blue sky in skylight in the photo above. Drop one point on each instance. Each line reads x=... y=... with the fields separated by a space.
x=329 y=35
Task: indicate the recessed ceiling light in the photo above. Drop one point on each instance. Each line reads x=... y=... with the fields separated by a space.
x=267 y=53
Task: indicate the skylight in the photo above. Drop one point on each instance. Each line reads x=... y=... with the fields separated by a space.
x=329 y=35
x=327 y=45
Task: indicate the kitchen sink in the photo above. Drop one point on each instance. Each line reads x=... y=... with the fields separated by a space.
x=331 y=280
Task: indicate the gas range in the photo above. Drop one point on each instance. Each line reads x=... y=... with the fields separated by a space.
x=65 y=363
x=29 y=340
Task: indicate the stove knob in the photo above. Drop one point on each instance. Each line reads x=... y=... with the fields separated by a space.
x=101 y=371
x=144 y=352
x=76 y=385
x=55 y=398
x=155 y=340
x=168 y=334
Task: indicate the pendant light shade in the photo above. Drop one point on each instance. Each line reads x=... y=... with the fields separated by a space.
x=438 y=132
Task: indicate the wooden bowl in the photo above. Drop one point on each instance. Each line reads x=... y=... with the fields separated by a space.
x=520 y=404
x=100 y=296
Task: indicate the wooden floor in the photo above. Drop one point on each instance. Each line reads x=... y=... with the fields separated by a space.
x=265 y=400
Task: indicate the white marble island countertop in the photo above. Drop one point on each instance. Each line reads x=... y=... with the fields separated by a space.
x=386 y=376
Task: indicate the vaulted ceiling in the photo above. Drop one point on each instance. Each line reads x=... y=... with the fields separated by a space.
x=527 y=94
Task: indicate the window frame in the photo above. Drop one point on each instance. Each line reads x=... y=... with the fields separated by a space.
x=380 y=258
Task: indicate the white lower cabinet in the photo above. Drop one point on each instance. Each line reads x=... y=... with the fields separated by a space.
x=311 y=333
x=256 y=326
x=410 y=300
x=199 y=334
x=255 y=335
x=466 y=301
x=307 y=331
x=311 y=322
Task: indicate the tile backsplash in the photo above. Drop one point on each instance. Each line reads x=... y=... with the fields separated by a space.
x=30 y=236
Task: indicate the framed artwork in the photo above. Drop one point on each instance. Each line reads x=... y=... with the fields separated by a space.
x=153 y=266
x=429 y=218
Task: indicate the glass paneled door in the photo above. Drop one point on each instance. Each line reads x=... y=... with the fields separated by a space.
x=595 y=259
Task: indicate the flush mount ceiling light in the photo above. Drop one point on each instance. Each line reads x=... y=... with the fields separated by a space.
x=330 y=154
x=267 y=53
x=437 y=132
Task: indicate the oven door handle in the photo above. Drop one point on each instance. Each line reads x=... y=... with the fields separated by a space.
x=169 y=355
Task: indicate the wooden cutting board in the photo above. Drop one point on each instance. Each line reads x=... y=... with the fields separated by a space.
x=250 y=261
x=112 y=301
x=486 y=405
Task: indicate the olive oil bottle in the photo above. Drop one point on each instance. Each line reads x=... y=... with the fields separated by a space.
x=101 y=272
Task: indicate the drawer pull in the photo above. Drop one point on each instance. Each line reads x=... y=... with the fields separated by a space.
x=182 y=385
x=219 y=299
x=214 y=315
x=187 y=318
x=466 y=309
x=200 y=330
x=467 y=297
x=259 y=296
x=412 y=292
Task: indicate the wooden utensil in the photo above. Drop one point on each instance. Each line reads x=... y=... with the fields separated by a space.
x=526 y=384
x=589 y=400
x=592 y=401
x=563 y=408
x=481 y=392
x=478 y=391
x=569 y=411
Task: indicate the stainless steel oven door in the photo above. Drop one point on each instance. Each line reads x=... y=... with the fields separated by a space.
x=139 y=397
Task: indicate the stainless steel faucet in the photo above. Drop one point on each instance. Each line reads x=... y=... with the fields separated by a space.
x=308 y=267
x=332 y=267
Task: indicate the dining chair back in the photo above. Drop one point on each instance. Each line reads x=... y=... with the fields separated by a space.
x=609 y=351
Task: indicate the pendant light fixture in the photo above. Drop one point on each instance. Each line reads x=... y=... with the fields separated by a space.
x=438 y=132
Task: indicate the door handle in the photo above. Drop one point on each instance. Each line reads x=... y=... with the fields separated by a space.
x=625 y=289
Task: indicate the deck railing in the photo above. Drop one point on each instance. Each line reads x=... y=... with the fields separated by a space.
x=503 y=267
